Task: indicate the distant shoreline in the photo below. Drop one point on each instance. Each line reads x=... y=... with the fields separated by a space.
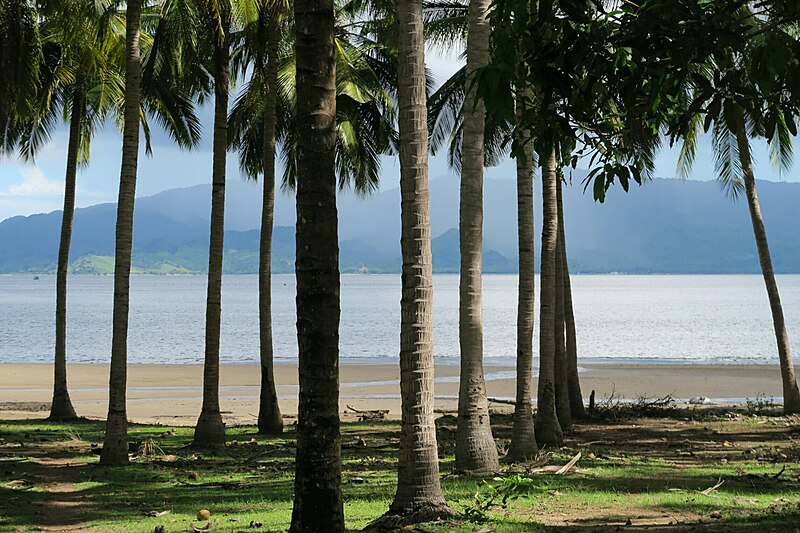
x=584 y=364
x=171 y=393
x=441 y=273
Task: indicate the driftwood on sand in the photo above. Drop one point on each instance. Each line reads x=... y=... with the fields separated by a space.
x=370 y=414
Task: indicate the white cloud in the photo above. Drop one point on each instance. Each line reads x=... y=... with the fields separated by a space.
x=34 y=183
x=36 y=193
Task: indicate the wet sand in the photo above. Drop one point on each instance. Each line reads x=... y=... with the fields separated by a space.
x=171 y=394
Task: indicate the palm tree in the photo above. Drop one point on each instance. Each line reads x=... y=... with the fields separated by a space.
x=523 y=439
x=791 y=393
x=264 y=113
x=577 y=410
x=115 y=443
x=166 y=97
x=447 y=21
x=210 y=429
x=318 y=466
x=562 y=390
x=80 y=76
x=80 y=79
x=476 y=451
x=446 y=112
x=252 y=129
x=419 y=494
x=548 y=429
x=269 y=412
x=751 y=104
x=735 y=168
x=366 y=83
x=61 y=407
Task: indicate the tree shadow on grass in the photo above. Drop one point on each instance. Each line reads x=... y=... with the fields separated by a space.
x=43 y=494
x=783 y=522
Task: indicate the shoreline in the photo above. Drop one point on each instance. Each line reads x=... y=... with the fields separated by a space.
x=171 y=393
x=584 y=364
x=52 y=273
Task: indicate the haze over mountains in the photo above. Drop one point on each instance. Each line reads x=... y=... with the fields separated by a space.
x=665 y=226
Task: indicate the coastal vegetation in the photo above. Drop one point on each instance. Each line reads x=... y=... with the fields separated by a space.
x=334 y=86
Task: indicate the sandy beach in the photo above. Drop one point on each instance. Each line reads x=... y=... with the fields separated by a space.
x=171 y=394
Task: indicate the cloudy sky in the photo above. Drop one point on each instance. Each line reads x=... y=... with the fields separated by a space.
x=37 y=187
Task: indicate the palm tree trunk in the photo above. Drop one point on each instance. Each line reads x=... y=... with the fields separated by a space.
x=269 y=413
x=548 y=429
x=791 y=393
x=210 y=429
x=115 y=444
x=476 y=451
x=523 y=440
x=318 y=467
x=573 y=381
x=562 y=390
x=61 y=408
x=419 y=493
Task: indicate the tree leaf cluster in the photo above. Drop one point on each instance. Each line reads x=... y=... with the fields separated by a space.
x=612 y=80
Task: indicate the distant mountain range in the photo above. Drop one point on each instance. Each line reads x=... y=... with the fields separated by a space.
x=665 y=226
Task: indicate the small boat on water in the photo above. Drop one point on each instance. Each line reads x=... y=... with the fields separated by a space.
x=35 y=277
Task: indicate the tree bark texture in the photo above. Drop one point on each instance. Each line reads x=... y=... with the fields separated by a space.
x=577 y=409
x=115 y=443
x=270 y=421
x=61 y=407
x=548 y=429
x=476 y=451
x=523 y=439
x=419 y=495
x=318 y=468
x=210 y=429
x=562 y=389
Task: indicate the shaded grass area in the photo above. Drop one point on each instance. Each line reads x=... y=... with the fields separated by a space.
x=634 y=474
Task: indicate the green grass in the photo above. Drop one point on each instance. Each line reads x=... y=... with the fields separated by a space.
x=104 y=264
x=634 y=474
x=97 y=264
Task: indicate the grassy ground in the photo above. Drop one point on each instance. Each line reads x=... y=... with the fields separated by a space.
x=634 y=473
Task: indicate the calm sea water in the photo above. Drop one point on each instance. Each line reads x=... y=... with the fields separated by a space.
x=702 y=319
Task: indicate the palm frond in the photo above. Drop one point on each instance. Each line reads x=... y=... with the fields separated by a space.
x=20 y=59
x=445 y=110
x=726 y=159
x=445 y=22
x=246 y=128
x=688 y=151
x=366 y=102
x=781 y=151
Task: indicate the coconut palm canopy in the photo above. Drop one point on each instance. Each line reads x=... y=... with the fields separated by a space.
x=365 y=105
x=89 y=61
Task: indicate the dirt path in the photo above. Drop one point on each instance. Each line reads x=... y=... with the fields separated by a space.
x=43 y=494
